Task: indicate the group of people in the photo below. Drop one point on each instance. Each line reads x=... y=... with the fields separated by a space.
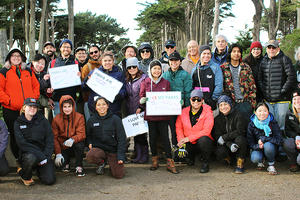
x=229 y=106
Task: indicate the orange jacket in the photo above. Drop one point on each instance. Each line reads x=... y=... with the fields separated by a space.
x=14 y=90
x=67 y=126
x=202 y=128
x=87 y=68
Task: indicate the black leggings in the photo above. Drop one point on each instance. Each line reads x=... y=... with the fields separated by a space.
x=204 y=147
x=76 y=150
x=156 y=129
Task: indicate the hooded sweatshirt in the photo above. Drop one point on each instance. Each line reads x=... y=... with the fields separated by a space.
x=67 y=126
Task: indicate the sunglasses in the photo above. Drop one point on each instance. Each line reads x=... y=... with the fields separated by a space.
x=93 y=52
x=145 y=51
x=168 y=47
x=196 y=99
x=132 y=67
x=271 y=47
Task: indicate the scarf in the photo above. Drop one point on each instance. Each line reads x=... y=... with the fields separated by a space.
x=263 y=125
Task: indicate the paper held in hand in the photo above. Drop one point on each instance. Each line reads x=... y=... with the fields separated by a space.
x=135 y=124
x=64 y=76
x=104 y=85
x=163 y=103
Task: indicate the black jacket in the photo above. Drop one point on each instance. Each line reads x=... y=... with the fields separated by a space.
x=34 y=136
x=107 y=133
x=229 y=127
x=276 y=78
x=292 y=125
x=254 y=134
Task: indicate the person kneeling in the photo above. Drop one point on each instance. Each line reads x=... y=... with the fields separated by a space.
x=230 y=133
x=107 y=140
x=35 y=140
x=193 y=128
x=69 y=134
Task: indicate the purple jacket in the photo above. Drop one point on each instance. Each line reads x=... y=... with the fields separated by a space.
x=3 y=137
x=133 y=94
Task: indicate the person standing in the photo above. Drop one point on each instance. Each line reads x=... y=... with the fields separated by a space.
x=192 y=57
x=145 y=52
x=170 y=47
x=4 y=168
x=81 y=57
x=220 y=54
x=297 y=65
x=128 y=51
x=49 y=52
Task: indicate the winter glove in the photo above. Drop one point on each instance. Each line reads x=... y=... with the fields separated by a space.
x=59 y=160
x=182 y=102
x=221 y=140
x=182 y=153
x=143 y=100
x=234 y=147
x=69 y=142
x=43 y=162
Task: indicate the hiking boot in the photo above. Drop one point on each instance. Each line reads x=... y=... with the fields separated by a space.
x=271 y=169
x=171 y=166
x=28 y=182
x=239 y=166
x=66 y=168
x=138 y=149
x=204 y=167
x=79 y=172
x=154 y=163
x=294 y=168
x=100 y=170
x=260 y=166
x=145 y=155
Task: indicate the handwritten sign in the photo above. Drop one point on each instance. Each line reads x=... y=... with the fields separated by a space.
x=64 y=76
x=163 y=103
x=135 y=124
x=104 y=85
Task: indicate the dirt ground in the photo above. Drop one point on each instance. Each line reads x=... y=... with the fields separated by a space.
x=141 y=183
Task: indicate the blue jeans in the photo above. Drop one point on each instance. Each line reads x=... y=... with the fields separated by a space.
x=279 y=111
x=269 y=151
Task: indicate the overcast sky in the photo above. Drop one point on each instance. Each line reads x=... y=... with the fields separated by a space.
x=126 y=10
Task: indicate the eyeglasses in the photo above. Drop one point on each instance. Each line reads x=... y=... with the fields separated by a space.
x=271 y=47
x=194 y=99
x=66 y=47
x=93 y=52
x=132 y=67
x=145 y=51
x=168 y=47
x=257 y=49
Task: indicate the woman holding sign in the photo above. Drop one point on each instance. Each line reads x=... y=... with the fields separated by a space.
x=158 y=125
x=134 y=77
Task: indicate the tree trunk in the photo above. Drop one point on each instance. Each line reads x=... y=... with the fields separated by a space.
x=11 y=25
x=71 y=20
x=32 y=30
x=3 y=46
x=187 y=21
x=51 y=16
x=26 y=23
x=216 y=22
x=273 y=26
x=47 y=34
x=298 y=18
x=42 y=26
x=256 y=20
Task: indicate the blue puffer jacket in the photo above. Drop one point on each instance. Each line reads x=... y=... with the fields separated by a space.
x=219 y=60
x=254 y=134
x=133 y=94
x=115 y=107
x=3 y=138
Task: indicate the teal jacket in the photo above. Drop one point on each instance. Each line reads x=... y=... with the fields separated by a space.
x=180 y=81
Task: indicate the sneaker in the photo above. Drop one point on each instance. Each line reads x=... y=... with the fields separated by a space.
x=79 y=172
x=28 y=182
x=66 y=168
x=294 y=168
x=260 y=166
x=271 y=169
x=204 y=168
x=100 y=170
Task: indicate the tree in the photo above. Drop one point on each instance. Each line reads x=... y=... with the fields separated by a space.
x=71 y=20
x=32 y=30
x=42 y=26
x=244 y=39
x=216 y=21
x=257 y=19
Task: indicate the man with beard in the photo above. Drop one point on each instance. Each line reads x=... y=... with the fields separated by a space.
x=49 y=52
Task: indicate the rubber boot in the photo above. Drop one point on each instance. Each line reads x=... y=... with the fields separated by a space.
x=145 y=154
x=154 y=163
x=171 y=166
x=138 y=153
x=239 y=166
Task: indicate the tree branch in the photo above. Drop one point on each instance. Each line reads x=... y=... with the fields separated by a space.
x=278 y=16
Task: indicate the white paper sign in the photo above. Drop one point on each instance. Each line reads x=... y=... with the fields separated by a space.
x=163 y=103
x=64 y=76
x=135 y=125
x=104 y=85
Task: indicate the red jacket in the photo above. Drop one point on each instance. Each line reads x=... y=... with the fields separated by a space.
x=14 y=90
x=162 y=86
x=202 y=128
x=67 y=126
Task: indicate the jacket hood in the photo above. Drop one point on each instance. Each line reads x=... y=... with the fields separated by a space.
x=150 y=75
x=64 y=98
x=13 y=51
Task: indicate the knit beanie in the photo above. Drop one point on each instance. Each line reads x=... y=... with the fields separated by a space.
x=154 y=63
x=66 y=41
x=255 y=44
x=226 y=99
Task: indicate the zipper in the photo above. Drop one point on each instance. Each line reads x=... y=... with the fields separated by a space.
x=68 y=127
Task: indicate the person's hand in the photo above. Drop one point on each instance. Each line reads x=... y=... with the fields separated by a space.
x=138 y=111
x=69 y=142
x=234 y=147
x=79 y=74
x=261 y=144
x=49 y=90
x=59 y=160
x=181 y=102
x=297 y=142
x=46 y=77
x=120 y=162
x=51 y=104
x=183 y=141
x=221 y=140
x=7 y=64
x=43 y=162
x=90 y=146
x=143 y=100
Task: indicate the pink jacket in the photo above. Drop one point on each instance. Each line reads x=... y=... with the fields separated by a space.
x=202 y=128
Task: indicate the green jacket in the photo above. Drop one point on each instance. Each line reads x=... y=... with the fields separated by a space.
x=180 y=81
